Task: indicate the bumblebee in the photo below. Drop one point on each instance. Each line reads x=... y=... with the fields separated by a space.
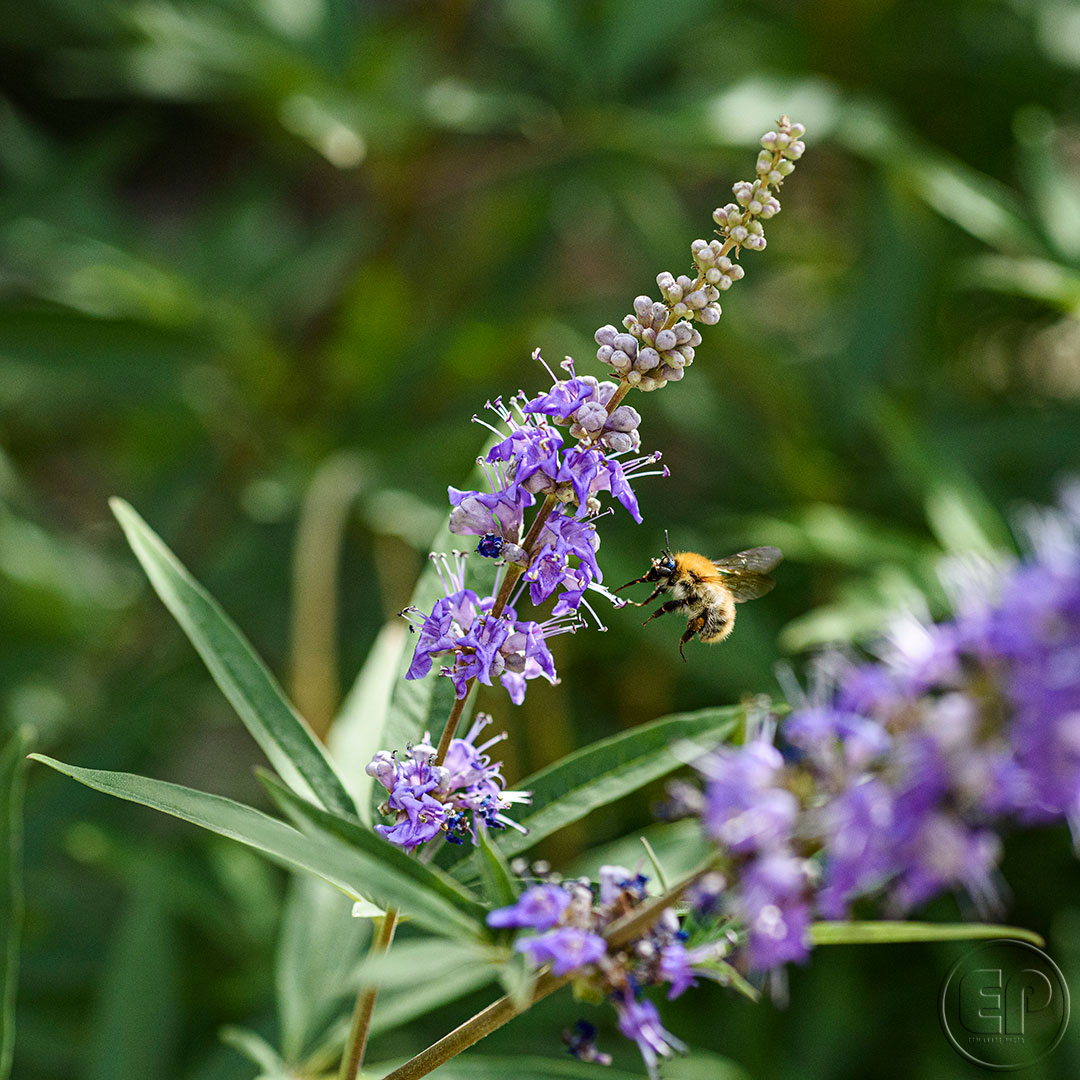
x=707 y=590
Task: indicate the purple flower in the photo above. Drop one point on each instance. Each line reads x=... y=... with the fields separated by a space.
x=441 y=630
x=774 y=908
x=420 y=816
x=566 y=949
x=477 y=651
x=526 y=654
x=428 y=799
x=490 y=545
x=477 y=513
x=744 y=811
x=479 y=645
x=618 y=884
x=563 y=399
x=538 y=908
x=840 y=743
x=859 y=856
x=588 y=471
x=679 y=966
x=566 y=558
x=639 y=1020
x=531 y=454
x=945 y=853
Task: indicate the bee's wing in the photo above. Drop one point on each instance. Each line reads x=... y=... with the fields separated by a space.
x=745 y=574
x=757 y=560
x=748 y=586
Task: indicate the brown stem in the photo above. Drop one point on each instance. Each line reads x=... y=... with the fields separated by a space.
x=515 y=570
x=635 y=923
x=616 y=399
x=473 y=1030
x=356 y=1043
x=451 y=726
x=504 y=1010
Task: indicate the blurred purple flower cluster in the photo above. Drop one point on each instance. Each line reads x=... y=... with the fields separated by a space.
x=564 y=925
x=895 y=778
x=429 y=799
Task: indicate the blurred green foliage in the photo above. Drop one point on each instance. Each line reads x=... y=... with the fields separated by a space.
x=247 y=244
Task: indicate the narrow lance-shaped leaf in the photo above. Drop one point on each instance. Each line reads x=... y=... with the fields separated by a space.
x=275 y=839
x=418 y=961
x=499 y=884
x=319 y=945
x=605 y=771
x=882 y=933
x=12 y=783
x=135 y=1021
x=245 y=680
x=257 y=1050
x=422 y=892
x=357 y=731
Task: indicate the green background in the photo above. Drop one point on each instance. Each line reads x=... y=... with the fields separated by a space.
x=259 y=265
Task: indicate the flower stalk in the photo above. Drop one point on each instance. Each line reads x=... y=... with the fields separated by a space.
x=360 y=1028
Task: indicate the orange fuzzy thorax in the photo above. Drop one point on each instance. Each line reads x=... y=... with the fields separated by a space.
x=691 y=562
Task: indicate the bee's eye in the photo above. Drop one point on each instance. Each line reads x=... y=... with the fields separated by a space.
x=669 y=564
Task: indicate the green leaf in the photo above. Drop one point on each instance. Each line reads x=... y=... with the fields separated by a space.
x=397 y=1007
x=135 y=1025
x=427 y=895
x=697 y=1066
x=607 y=770
x=654 y=861
x=1036 y=279
x=679 y=845
x=244 y=679
x=12 y=784
x=881 y=933
x=275 y=839
x=961 y=516
x=518 y=979
x=421 y=960
x=256 y=1049
x=357 y=732
x=498 y=883
x=319 y=947
x=702 y=1065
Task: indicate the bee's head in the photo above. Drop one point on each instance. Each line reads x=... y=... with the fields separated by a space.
x=662 y=567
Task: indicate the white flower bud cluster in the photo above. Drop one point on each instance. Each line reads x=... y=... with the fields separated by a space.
x=740 y=221
x=689 y=299
x=660 y=339
x=649 y=355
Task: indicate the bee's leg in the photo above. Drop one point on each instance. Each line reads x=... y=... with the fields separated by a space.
x=649 y=599
x=692 y=627
x=663 y=609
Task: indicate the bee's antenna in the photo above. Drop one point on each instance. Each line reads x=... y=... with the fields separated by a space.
x=667 y=543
